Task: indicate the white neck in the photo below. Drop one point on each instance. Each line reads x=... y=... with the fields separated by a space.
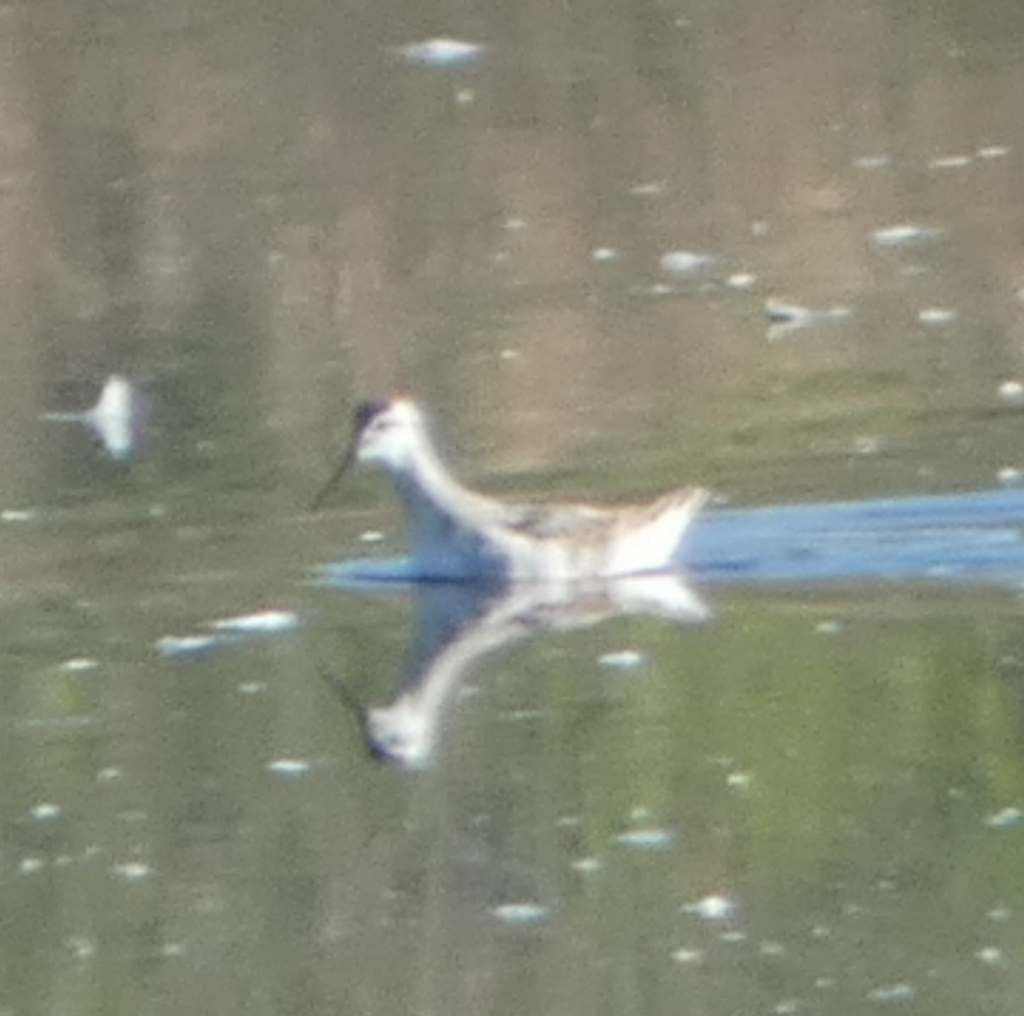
x=437 y=503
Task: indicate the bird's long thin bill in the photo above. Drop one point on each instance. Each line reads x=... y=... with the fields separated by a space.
x=334 y=479
x=346 y=696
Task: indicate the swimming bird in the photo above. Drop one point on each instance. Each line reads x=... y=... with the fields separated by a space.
x=459 y=535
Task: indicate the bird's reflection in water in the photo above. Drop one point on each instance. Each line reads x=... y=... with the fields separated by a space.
x=458 y=623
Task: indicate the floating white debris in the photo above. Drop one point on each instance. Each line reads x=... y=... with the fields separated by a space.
x=1004 y=819
x=624 y=659
x=1010 y=477
x=872 y=162
x=465 y=97
x=869 y=444
x=1000 y=912
x=604 y=254
x=890 y=993
x=654 y=289
x=739 y=781
x=688 y=957
x=788 y=1007
x=118 y=419
x=263 y=622
x=686 y=263
x=828 y=627
x=288 y=767
x=713 y=908
x=741 y=280
x=905 y=234
x=18 y=515
x=936 y=315
x=510 y=354
x=132 y=871
x=586 y=865
x=772 y=948
x=992 y=152
x=521 y=913
x=441 y=52
x=991 y=956
x=652 y=838
x=784 y=317
x=371 y=536
x=78 y=664
x=30 y=865
x=949 y=162
x=110 y=774
x=186 y=645
x=651 y=189
x=1011 y=393
x=80 y=947
x=252 y=687
x=46 y=811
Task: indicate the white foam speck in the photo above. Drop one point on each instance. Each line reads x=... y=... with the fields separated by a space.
x=949 y=162
x=18 y=515
x=521 y=913
x=78 y=664
x=686 y=263
x=936 y=315
x=991 y=956
x=441 y=52
x=623 y=659
x=892 y=993
x=652 y=838
x=1011 y=393
x=267 y=622
x=714 y=907
x=905 y=234
x=288 y=767
x=133 y=871
x=1004 y=819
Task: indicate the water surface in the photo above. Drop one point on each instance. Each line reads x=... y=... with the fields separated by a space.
x=769 y=248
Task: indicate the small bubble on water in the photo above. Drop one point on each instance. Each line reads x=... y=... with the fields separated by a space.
x=892 y=993
x=521 y=913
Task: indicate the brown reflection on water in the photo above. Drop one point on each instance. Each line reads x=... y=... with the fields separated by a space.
x=379 y=224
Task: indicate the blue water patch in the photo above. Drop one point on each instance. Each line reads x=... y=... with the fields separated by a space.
x=974 y=537
x=977 y=537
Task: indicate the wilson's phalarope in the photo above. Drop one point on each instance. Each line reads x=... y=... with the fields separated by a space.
x=458 y=534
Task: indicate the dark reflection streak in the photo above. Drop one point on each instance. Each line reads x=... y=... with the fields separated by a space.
x=457 y=624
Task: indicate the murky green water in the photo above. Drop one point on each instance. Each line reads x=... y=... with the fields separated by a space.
x=568 y=248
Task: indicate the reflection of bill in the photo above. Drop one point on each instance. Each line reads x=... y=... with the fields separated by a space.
x=458 y=623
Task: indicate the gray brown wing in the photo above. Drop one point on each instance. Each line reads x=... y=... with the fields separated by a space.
x=554 y=522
